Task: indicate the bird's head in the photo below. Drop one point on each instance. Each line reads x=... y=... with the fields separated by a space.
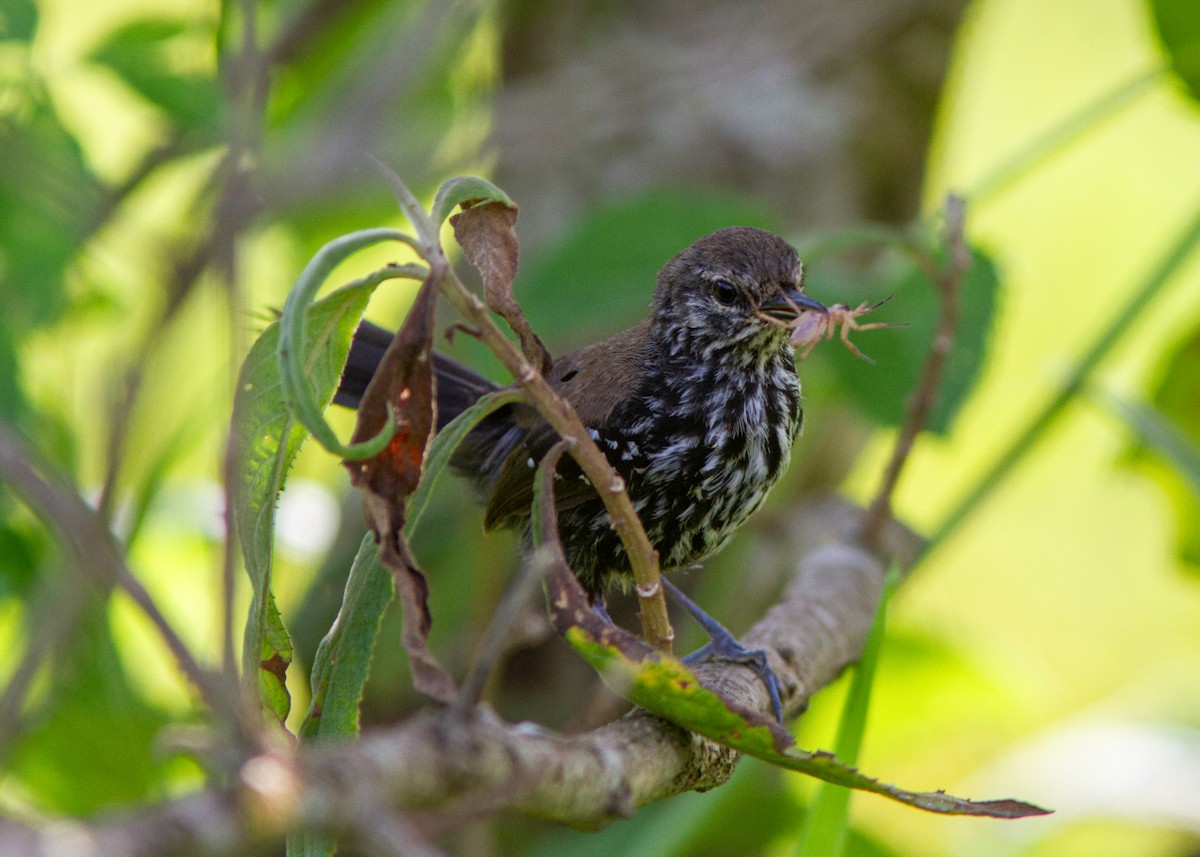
x=739 y=287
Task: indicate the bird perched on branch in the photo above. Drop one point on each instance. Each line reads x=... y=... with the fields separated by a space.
x=696 y=408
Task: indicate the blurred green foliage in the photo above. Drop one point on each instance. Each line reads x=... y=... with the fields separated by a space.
x=1168 y=431
x=162 y=181
x=1178 y=26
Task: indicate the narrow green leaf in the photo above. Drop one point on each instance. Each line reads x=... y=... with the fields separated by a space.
x=269 y=438
x=460 y=189
x=666 y=687
x=298 y=391
x=1159 y=434
x=344 y=657
x=427 y=230
x=341 y=667
x=828 y=821
x=1167 y=439
x=442 y=447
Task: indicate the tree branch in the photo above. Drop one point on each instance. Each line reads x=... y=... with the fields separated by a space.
x=441 y=762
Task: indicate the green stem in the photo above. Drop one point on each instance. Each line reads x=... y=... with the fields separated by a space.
x=828 y=818
x=1052 y=141
x=297 y=390
x=1125 y=317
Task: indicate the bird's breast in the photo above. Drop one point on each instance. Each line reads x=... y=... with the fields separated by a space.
x=700 y=453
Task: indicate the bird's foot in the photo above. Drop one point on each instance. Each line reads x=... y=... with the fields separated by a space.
x=732 y=650
x=725 y=646
x=600 y=610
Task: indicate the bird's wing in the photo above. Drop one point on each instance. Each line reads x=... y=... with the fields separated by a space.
x=511 y=497
x=595 y=380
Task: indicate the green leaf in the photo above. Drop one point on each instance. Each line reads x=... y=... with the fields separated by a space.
x=427 y=230
x=23 y=545
x=456 y=191
x=1178 y=25
x=665 y=687
x=442 y=447
x=48 y=201
x=18 y=20
x=270 y=437
x=881 y=390
x=92 y=744
x=344 y=656
x=341 y=667
x=146 y=55
x=1159 y=435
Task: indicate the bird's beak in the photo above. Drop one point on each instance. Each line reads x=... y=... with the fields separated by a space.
x=790 y=304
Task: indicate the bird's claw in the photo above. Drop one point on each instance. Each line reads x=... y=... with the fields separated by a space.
x=725 y=646
x=731 y=650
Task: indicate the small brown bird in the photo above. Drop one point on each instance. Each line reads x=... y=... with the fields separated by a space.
x=696 y=408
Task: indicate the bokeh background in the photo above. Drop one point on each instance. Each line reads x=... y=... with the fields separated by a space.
x=165 y=172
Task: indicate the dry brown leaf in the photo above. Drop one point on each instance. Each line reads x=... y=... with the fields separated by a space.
x=403 y=381
x=487 y=233
x=569 y=604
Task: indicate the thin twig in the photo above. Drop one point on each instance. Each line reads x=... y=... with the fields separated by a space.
x=99 y=560
x=1123 y=318
x=495 y=639
x=949 y=279
x=56 y=620
x=643 y=558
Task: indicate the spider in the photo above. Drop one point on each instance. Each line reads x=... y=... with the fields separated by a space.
x=809 y=328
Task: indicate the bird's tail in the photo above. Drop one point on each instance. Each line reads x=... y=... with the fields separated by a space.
x=457 y=386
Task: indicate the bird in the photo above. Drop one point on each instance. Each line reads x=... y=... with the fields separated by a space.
x=696 y=408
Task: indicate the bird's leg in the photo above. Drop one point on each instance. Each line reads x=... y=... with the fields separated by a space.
x=724 y=645
x=599 y=608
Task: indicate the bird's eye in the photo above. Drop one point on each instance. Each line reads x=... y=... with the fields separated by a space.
x=724 y=291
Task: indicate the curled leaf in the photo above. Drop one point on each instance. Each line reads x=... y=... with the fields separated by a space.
x=403 y=386
x=487 y=233
x=464 y=189
x=296 y=385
